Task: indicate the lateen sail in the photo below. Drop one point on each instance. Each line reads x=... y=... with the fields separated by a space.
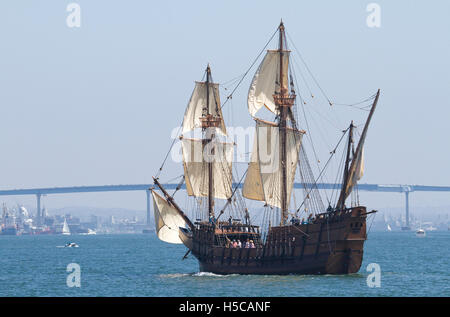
x=356 y=169
x=196 y=106
x=359 y=171
x=167 y=220
x=263 y=180
x=266 y=82
x=196 y=156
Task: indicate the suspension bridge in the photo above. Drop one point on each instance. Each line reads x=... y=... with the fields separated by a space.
x=39 y=192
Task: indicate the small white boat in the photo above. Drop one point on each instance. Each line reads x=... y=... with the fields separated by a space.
x=65 y=229
x=90 y=232
x=389 y=228
x=71 y=245
x=420 y=233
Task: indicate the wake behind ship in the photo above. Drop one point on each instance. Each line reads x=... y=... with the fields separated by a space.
x=224 y=239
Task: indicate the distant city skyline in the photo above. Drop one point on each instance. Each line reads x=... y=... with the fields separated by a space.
x=97 y=104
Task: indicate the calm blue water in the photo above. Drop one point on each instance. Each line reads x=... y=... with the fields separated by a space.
x=141 y=265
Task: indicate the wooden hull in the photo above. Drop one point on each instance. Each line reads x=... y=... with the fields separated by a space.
x=331 y=244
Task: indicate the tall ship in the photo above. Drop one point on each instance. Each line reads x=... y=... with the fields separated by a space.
x=305 y=237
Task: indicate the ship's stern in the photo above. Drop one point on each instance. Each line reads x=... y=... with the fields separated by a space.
x=347 y=255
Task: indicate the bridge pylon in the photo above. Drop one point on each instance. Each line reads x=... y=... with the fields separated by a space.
x=38 y=209
x=406 y=190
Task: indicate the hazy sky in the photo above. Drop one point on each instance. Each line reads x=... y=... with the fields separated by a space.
x=96 y=105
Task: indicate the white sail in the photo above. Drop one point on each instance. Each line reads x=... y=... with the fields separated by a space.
x=65 y=229
x=266 y=81
x=196 y=106
x=264 y=176
x=167 y=220
x=196 y=156
x=359 y=171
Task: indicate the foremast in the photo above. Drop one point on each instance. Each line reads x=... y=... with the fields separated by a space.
x=208 y=122
x=207 y=161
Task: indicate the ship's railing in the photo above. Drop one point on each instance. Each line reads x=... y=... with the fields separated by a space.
x=237 y=228
x=335 y=215
x=224 y=232
x=226 y=226
x=227 y=240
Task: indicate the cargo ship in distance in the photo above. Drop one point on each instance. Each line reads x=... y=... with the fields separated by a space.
x=224 y=236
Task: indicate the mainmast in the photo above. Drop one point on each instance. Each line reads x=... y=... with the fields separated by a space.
x=283 y=101
x=271 y=179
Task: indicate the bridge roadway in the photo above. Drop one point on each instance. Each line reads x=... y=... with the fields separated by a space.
x=406 y=189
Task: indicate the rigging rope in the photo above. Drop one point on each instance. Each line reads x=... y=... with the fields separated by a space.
x=338 y=175
x=170 y=149
x=309 y=71
x=369 y=99
x=245 y=74
x=178 y=186
x=326 y=164
x=309 y=134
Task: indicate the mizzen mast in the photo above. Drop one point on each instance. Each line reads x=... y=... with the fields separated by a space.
x=345 y=180
x=354 y=171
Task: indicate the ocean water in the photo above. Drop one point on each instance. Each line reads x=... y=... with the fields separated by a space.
x=141 y=265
